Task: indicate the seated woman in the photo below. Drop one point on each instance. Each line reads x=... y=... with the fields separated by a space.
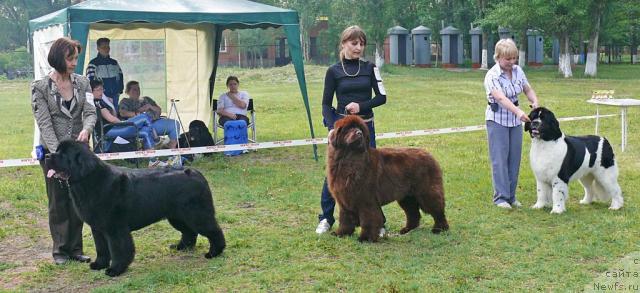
x=134 y=105
x=108 y=116
x=233 y=104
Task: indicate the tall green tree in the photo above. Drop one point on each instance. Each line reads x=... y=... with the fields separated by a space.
x=561 y=18
x=595 y=13
x=519 y=16
x=253 y=43
x=15 y=16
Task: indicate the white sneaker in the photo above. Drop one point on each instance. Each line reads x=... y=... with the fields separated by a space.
x=175 y=161
x=516 y=204
x=323 y=227
x=504 y=205
x=383 y=231
x=157 y=164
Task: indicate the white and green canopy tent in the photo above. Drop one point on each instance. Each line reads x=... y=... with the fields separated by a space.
x=189 y=31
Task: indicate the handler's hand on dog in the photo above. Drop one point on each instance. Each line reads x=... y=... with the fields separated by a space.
x=329 y=135
x=353 y=108
x=523 y=116
x=83 y=136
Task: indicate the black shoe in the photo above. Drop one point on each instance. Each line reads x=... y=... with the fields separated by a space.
x=60 y=260
x=81 y=258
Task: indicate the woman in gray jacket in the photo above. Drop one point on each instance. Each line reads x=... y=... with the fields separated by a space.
x=62 y=111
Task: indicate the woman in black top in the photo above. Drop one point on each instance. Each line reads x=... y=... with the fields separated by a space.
x=351 y=80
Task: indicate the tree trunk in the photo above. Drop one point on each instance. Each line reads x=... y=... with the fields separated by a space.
x=564 y=63
x=379 y=55
x=522 y=55
x=304 y=42
x=591 y=64
x=485 y=51
x=484 y=61
x=591 y=67
x=634 y=46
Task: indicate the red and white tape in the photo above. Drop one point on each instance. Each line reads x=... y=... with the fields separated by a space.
x=266 y=145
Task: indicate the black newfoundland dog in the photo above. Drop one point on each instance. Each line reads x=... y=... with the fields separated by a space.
x=197 y=136
x=115 y=201
x=363 y=179
x=557 y=159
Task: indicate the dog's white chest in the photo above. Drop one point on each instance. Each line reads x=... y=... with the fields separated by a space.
x=546 y=158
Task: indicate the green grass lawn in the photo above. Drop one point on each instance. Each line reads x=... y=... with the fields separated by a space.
x=269 y=211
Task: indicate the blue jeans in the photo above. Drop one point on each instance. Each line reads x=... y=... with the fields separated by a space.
x=327 y=203
x=142 y=127
x=164 y=126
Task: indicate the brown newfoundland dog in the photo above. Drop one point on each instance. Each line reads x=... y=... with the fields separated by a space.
x=363 y=179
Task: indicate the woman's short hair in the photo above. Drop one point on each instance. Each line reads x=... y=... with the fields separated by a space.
x=96 y=83
x=230 y=78
x=130 y=84
x=62 y=49
x=505 y=48
x=351 y=33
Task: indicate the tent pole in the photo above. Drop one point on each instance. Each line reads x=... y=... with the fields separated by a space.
x=295 y=51
x=212 y=78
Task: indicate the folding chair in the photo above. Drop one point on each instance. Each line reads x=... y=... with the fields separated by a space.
x=109 y=137
x=251 y=126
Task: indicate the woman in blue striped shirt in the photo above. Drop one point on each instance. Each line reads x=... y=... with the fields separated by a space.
x=503 y=83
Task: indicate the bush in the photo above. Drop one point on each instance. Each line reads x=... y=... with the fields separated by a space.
x=18 y=60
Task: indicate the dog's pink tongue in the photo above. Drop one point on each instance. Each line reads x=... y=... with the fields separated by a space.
x=50 y=173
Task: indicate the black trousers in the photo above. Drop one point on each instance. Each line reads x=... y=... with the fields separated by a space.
x=64 y=223
x=224 y=119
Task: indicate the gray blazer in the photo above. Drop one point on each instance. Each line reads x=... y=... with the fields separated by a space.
x=55 y=121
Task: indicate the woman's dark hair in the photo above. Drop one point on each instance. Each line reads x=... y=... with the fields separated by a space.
x=62 y=49
x=231 y=77
x=96 y=83
x=130 y=84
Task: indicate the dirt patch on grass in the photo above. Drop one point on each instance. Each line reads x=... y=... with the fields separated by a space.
x=21 y=254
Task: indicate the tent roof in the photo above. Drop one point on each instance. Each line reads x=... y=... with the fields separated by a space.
x=229 y=13
x=225 y=14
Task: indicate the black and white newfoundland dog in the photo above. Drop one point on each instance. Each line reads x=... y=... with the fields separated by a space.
x=557 y=159
x=115 y=201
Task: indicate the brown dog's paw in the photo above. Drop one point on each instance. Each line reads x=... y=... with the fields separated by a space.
x=438 y=229
x=369 y=238
x=405 y=230
x=338 y=234
x=341 y=232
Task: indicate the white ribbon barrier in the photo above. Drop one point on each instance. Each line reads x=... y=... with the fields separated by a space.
x=266 y=145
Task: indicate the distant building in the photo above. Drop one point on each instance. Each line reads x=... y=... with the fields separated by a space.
x=275 y=53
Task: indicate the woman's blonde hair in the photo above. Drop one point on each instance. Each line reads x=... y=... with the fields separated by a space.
x=505 y=48
x=351 y=33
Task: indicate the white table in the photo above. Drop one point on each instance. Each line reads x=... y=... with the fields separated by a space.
x=623 y=104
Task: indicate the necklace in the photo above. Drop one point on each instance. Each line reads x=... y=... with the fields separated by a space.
x=345 y=71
